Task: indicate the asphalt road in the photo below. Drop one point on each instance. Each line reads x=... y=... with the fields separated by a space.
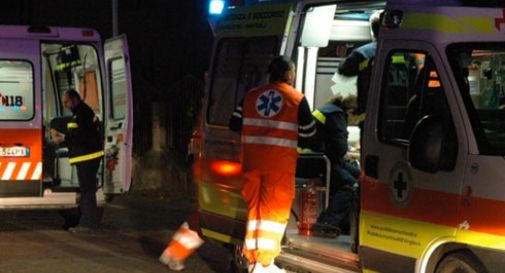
x=135 y=230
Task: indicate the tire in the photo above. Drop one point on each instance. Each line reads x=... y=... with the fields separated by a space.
x=460 y=262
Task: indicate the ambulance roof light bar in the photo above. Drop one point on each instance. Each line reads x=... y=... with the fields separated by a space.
x=216 y=7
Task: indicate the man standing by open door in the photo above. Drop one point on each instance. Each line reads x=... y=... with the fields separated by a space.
x=84 y=141
x=271 y=118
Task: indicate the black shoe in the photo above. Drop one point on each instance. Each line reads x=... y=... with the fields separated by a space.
x=325 y=230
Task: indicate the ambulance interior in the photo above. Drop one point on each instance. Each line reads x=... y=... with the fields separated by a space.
x=317 y=63
x=66 y=66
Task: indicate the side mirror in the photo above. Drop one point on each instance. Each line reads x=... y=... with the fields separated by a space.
x=433 y=145
x=425 y=147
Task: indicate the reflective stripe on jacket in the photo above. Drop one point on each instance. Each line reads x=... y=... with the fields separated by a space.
x=83 y=138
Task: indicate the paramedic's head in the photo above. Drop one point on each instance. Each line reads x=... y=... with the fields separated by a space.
x=282 y=69
x=71 y=98
x=375 y=23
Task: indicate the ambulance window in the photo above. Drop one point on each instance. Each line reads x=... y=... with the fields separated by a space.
x=16 y=90
x=479 y=70
x=411 y=90
x=240 y=64
x=118 y=88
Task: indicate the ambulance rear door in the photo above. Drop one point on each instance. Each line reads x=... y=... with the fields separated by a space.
x=20 y=122
x=247 y=38
x=119 y=117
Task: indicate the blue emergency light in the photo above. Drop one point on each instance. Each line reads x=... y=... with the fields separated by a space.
x=216 y=7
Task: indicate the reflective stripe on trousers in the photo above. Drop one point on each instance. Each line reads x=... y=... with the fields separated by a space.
x=269 y=197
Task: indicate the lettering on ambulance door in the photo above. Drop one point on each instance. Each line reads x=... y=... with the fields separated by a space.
x=404 y=207
x=119 y=128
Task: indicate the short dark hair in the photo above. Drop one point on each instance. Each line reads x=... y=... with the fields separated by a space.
x=278 y=68
x=73 y=94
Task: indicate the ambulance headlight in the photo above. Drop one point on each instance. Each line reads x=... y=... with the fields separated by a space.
x=216 y=7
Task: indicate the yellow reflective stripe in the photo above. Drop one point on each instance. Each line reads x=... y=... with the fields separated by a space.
x=481 y=239
x=86 y=157
x=398 y=59
x=481 y=24
x=361 y=117
x=221 y=237
x=425 y=21
x=72 y=125
x=399 y=235
x=303 y=150
x=319 y=116
x=363 y=65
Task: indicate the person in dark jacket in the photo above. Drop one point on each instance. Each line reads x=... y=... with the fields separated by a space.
x=332 y=134
x=359 y=63
x=84 y=141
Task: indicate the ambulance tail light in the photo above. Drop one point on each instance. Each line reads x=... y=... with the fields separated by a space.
x=226 y=168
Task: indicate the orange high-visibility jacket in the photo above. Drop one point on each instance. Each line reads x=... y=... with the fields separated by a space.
x=270 y=128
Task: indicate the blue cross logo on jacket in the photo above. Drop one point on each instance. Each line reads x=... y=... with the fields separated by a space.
x=269 y=103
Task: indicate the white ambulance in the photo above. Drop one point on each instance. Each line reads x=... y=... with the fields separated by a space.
x=432 y=186
x=37 y=65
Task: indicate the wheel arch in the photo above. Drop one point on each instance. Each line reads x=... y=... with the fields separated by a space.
x=491 y=259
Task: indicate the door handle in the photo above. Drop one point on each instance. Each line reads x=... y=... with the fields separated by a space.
x=372 y=166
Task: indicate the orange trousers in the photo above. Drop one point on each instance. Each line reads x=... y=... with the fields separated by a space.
x=269 y=196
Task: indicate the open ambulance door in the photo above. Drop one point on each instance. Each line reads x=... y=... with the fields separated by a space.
x=118 y=117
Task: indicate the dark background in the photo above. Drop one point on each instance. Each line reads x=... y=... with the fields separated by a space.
x=168 y=39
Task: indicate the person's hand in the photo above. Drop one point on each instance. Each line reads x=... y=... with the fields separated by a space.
x=57 y=137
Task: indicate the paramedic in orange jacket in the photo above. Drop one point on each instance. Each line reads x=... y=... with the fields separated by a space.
x=271 y=118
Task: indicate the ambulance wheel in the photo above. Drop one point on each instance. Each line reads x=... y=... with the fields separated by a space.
x=239 y=262
x=460 y=262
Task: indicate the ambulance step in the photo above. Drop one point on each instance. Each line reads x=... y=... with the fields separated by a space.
x=334 y=248
x=295 y=260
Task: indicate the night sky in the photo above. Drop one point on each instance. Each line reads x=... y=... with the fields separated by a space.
x=167 y=39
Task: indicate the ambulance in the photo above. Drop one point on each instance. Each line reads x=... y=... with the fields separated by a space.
x=432 y=184
x=37 y=65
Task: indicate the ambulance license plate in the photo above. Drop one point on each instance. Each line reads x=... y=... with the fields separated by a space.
x=14 y=152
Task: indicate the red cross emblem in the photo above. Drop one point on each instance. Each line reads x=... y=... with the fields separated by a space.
x=499 y=21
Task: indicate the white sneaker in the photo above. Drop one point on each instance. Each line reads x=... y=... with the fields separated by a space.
x=259 y=268
x=272 y=268
x=256 y=268
x=175 y=265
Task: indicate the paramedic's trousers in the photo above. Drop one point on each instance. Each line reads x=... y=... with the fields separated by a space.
x=87 y=173
x=337 y=213
x=269 y=196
